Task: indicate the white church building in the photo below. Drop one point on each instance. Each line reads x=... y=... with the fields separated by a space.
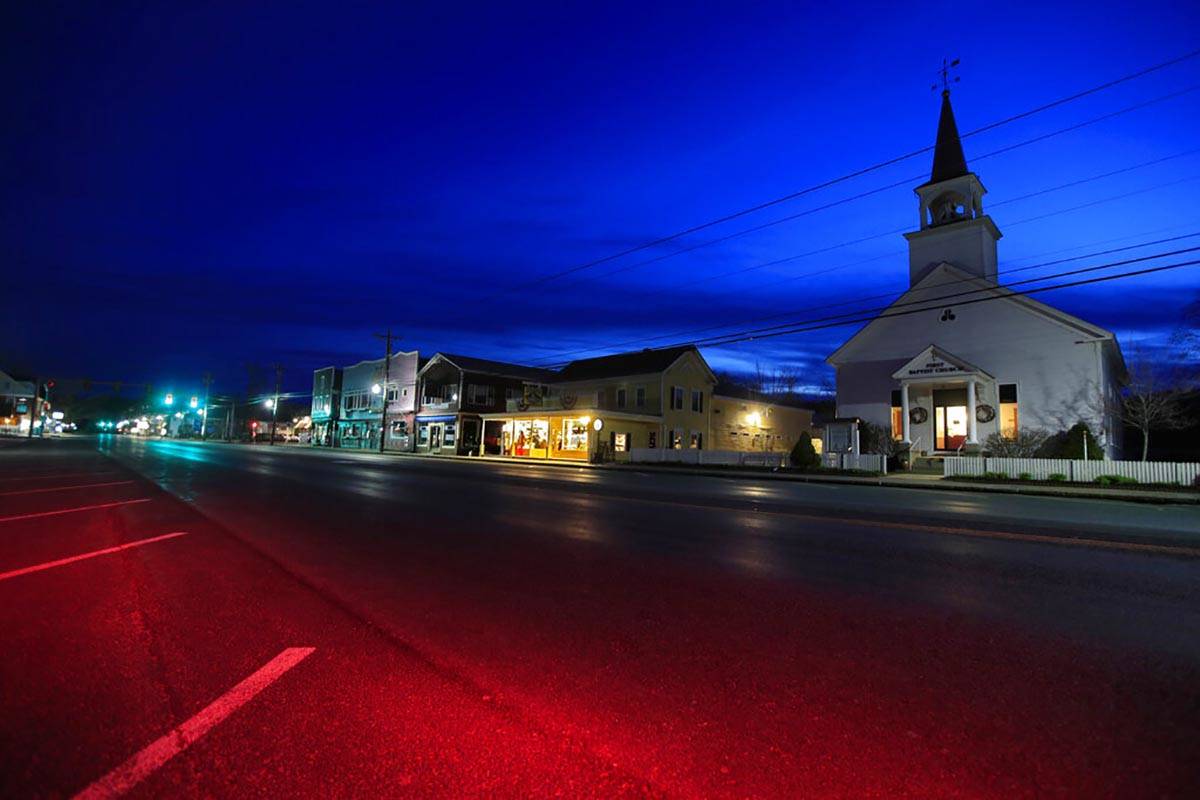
x=958 y=356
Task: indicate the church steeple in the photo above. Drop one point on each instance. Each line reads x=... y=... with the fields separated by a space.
x=948 y=159
x=954 y=229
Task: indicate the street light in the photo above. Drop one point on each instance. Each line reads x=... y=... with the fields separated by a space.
x=169 y=399
x=194 y=402
x=269 y=403
x=376 y=389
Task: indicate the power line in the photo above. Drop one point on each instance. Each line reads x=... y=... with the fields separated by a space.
x=1083 y=282
x=892 y=232
x=866 y=170
x=908 y=182
x=932 y=303
x=857 y=300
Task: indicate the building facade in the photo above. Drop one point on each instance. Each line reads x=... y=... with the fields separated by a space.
x=458 y=391
x=744 y=422
x=603 y=408
x=959 y=356
x=348 y=404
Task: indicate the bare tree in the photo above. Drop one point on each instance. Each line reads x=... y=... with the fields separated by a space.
x=1150 y=403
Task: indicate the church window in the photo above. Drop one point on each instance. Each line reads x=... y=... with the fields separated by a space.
x=1008 y=410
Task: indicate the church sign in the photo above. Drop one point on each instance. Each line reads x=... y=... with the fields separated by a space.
x=934 y=366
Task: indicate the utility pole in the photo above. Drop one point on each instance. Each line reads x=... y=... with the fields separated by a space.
x=37 y=383
x=275 y=402
x=204 y=416
x=387 y=375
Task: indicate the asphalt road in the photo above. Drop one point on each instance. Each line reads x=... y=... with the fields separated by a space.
x=208 y=620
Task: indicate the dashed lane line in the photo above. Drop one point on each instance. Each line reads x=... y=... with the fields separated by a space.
x=64 y=488
x=72 y=559
x=175 y=741
x=95 y=507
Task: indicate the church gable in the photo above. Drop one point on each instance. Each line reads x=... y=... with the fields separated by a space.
x=934 y=362
x=916 y=316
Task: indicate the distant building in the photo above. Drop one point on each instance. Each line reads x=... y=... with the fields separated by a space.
x=347 y=403
x=16 y=404
x=958 y=356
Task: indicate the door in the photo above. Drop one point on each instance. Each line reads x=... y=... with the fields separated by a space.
x=950 y=427
x=435 y=435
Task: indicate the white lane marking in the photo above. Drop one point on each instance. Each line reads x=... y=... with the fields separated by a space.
x=64 y=488
x=171 y=744
x=73 y=510
x=48 y=475
x=72 y=559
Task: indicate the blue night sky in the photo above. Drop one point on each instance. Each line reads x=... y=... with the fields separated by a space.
x=191 y=190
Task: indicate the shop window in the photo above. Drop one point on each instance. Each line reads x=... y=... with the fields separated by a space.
x=697 y=441
x=621 y=397
x=698 y=400
x=423 y=434
x=574 y=435
x=1008 y=410
x=448 y=433
x=676 y=398
x=639 y=397
x=897 y=416
x=675 y=439
x=652 y=439
x=620 y=442
x=399 y=427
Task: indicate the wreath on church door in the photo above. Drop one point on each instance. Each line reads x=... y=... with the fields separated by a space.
x=918 y=415
x=984 y=413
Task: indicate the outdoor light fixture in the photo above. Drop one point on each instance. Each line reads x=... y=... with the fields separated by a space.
x=269 y=403
x=169 y=399
x=376 y=389
x=597 y=423
x=194 y=402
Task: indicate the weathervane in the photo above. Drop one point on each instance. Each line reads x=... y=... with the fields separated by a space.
x=947 y=79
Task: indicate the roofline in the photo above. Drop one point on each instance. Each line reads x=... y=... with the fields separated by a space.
x=1048 y=311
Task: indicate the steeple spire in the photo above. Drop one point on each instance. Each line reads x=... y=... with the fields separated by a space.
x=948 y=159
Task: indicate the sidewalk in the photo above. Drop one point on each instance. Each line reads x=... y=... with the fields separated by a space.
x=907 y=480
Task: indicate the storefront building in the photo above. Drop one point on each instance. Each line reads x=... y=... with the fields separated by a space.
x=959 y=357
x=458 y=391
x=348 y=404
x=600 y=409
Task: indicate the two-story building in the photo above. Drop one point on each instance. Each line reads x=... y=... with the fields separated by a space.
x=326 y=404
x=348 y=403
x=458 y=391
x=602 y=408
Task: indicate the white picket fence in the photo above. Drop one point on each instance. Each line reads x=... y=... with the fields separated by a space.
x=724 y=458
x=1077 y=471
x=870 y=462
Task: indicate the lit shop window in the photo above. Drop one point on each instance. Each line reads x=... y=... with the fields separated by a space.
x=652 y=439
x=897 y=416
x=423 y=434
x=574 y=434
x=620 y=442
x=697 y=441
x=1008 y=410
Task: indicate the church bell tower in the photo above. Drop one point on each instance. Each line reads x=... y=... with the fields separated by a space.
x=954 y=228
